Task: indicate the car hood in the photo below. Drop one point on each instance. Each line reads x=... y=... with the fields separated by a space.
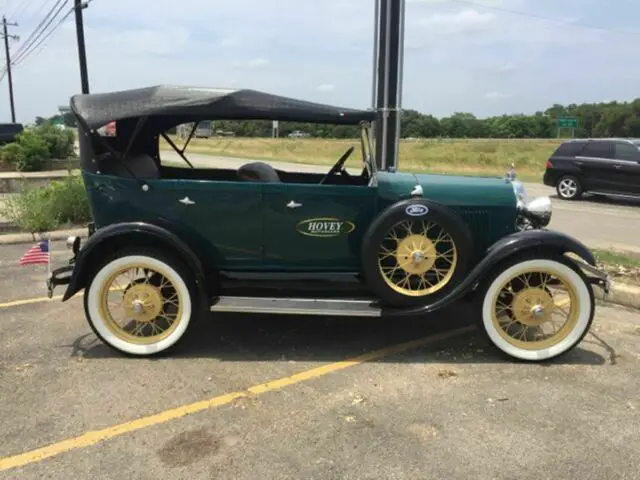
x=448 y=189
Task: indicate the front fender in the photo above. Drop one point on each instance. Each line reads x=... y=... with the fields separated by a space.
x=541 y=238
x=108 y=239
x=514 y=244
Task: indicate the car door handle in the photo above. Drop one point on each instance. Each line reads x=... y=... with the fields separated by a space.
x=618 y=166
x=293 y=204
x=579 y=162
x=186 y=201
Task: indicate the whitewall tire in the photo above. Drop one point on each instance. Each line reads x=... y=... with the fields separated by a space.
x=157 y=307
x=516 y=310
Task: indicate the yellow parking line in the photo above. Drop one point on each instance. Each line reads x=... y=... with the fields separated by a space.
x=91 y=438
x=29 y=301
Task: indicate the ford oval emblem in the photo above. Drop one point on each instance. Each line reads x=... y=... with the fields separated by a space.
x=416 y=210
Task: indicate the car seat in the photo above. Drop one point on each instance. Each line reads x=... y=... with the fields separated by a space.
x=258 y=172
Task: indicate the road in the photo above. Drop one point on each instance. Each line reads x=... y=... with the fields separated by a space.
x=271 y=397
x=599 y=223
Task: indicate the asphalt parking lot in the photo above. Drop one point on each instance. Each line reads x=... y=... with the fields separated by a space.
x=273 y=397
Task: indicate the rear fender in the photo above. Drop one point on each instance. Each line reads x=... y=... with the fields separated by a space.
x=528 y=241
x=105 y=241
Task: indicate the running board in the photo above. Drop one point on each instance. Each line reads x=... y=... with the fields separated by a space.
x=298 y=306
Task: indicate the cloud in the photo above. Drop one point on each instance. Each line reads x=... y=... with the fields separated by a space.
x=458 y=21
x=253 y=63
x=497 y=95
x=326 y=87
x=456 y=53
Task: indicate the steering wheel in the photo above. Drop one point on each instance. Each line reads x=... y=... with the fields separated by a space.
x=339 y=165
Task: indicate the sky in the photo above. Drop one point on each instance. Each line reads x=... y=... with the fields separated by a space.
x=473 y=56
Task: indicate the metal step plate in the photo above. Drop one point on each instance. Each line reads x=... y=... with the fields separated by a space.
x=298 y=306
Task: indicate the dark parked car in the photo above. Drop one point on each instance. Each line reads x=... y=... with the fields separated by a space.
x=9 y=132
x=598 y=166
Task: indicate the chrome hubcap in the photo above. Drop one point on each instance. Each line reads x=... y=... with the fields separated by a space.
x=417 y=257
x=137 y=306
x=537 y=311
x=568 y=188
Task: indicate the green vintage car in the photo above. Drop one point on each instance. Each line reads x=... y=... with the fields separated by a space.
x=170 y=243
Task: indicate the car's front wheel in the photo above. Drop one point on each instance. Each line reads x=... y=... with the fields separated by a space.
x=536 y=309
x=140 y=302
x=415 y=253
x=569 y=187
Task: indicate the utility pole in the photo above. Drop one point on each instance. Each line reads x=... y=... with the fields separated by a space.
x=78 y=6
x=387 y=79
x=6 y=37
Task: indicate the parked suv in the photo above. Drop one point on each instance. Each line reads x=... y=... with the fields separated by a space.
x=599 y=166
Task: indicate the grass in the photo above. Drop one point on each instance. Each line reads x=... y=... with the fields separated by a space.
x=622 y=266
x=452 y=156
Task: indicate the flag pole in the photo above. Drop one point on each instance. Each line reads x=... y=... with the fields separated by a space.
x=49 y=260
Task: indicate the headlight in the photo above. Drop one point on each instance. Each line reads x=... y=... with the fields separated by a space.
x=537 y=211
x=73 y=244
x=518 y=189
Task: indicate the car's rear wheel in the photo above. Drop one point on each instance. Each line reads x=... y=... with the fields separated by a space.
x=569 y=187
x=140 y=302
x=536 y=309
x=415 y=253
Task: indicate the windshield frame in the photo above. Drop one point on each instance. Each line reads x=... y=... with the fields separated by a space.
x=366 y=143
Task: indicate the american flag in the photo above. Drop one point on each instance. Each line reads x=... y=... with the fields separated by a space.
x=37 y=254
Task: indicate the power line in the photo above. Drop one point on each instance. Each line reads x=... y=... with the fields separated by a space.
x=547 y=18
x=35 y=32
x=26 y=47
x=40 y=9
x=24 y=55
x=31 y=52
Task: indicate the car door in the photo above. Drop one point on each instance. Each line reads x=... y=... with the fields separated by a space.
x=221 y=218
x=627 y=168
x=316 y=227
x=596 y=163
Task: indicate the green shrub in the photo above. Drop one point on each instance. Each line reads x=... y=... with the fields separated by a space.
x=12 y=154
x=59 y=142
x=69 y=199
x=47 y=208
x=33 y=147
x=35 y=152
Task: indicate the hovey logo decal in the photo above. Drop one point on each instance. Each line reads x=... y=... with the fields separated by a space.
x=325 y=227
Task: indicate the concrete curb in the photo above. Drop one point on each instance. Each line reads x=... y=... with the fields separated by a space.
x=620 y=294
x=18 y=238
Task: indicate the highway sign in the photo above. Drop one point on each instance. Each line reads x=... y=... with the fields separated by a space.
x=567 y=122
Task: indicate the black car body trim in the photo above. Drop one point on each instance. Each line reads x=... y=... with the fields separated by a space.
x=130 y=233
x=517 y=243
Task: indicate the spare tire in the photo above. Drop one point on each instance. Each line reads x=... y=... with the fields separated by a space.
x=415 y=253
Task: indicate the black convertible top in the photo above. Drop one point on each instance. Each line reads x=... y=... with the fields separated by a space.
x=98 y=109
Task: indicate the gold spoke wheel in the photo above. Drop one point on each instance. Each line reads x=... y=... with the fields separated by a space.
x=536 y=315
x=140 y=304
x=417 y=258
